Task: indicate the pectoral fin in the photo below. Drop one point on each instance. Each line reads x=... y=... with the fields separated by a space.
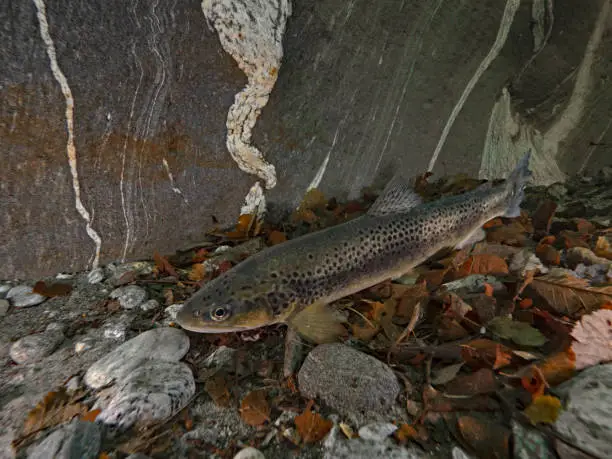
x=472 y=238
x=319 y=323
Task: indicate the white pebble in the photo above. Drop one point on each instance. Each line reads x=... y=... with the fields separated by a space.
x=377 y=431
x=167 y=343
x=22 y=297
x=95 y=276
x=149 y=305
x=115 y=330
x=172 y=310
x=153 y=392
x=249 y=453
x=130 y=296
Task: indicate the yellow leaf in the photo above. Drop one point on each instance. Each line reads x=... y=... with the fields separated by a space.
x=544 y=409
x=602 y=248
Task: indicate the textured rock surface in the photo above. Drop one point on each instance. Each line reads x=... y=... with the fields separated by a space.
x=21 y=296
x=130 y=296
x=77 y=439
x=141 y=159
x=152 y=392
x=348 y=380
x=36 y=347
x=167 y=344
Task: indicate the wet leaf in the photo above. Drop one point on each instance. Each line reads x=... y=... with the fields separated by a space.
x=216 y=387
x=450 y=329
x=593 y=335
x=446 y=374
x=405 y=432
x=548 y=254
x=488 y=439
x=52 y=290
x=558 y=367
x=480 y=382
x=569 y=295
x=456 y=306
x=544 y=409
x=433 y=278
x=55 y=408
x=276 y=237
x=534 y=382
x=484 y=264
x=311 y=426
x=484 y=353
x=519 y=332
x=163 y=265
x=254 y=408
x=197 y=273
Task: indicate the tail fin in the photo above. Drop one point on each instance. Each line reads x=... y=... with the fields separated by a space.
x=516 y=183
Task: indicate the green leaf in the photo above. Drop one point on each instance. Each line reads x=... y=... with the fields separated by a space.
x=519 y=332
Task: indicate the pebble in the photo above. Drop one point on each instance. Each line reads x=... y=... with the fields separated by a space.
x=83 y=345
x=35 y=347
x=585 y=419
x=171 y=311
x=149 y=305
x=348 y=380
x=22 y=297
x=4 y=288
x=95 y=276
x=116 y=330
x=525 y=261
x=4 y=307
x=77 y=439
x=151 y=393
x=166 y=343
x=377 y=431
x=249 y=453
x=130 y=296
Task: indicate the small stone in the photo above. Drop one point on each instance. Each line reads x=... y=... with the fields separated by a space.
x=116 y=330
x=35 y=347
x=377 y=431
x=4 y=307
x=166 y=343
x=149 y=305
x=22 y=297
x=77 y=439
x=171 y=311
x=95 y=276
x=56 y=326
x=249 y=453
x=151 y=393
x=83 y=345
x=130 y=296
x=4 y=288
x=348 y=380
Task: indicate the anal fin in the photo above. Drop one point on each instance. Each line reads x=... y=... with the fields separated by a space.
x=472 y=238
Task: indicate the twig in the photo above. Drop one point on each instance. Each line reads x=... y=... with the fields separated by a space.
x=410 y=327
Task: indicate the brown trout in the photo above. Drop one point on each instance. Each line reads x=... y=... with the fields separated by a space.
x=292 y=282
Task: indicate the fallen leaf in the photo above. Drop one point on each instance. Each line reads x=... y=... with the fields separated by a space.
x=548 y=240
x=519 y=332
x=411 y=296
x=254 y=408
x=480 y=382
x=405 y=432
x=544 y=409
x=569 y=295
x=526 y=303
x=484 y=353
x=446 y=374
x=488 y=289
x=91 y=416
x=583 y=226
x=548 y=254
x=216 y=387
x=347 y=430
x=199 y=256
x=542 y=217
x=534 y=382
x=493 y=223
x=487 y=438
x=558 y=367
x=569 y=239
x=276 y=237
x=163 y=265
x=456 y=306
x=512 y=234
x=450 y=329
x=197 y=273
x=484 y=264
x=311 y=426
x=52 y=290
x=104 y=456
x=433 y=278
x=602 y=248
x=593 y=335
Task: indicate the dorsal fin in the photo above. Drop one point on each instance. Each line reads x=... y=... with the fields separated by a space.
x=397 y=197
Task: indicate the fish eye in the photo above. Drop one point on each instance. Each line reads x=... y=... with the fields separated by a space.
x=219 y=313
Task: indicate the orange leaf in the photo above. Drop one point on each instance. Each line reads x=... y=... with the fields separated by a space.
x=254 y=408
x=484 y=353
x=276 y=237
x=52 y=290
x=311 y=426
x=164 y=265
x=548 y=254
x=548 y=240
x=91 y=415
x=558 y=367
x=484 y=264
x=493 y=223
x=216 y=387
x=199 y=256
x=104 y=456
x=535 y=384
x=488 y=289
x=526 y=303
x=197 y=273
x=405 y=432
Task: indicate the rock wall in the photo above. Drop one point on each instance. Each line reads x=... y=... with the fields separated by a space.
x=129 y=127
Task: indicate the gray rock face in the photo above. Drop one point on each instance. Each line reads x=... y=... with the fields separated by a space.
x=588 y=410
x=348 y=380
x=130 y=296
x=75 y=440
x=21 y=296
x=95 y=276
x=4 y=307
x=167 y=344
x=35 y=347
x=152 y=392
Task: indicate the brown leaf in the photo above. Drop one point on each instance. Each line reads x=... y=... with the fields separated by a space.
x=593 y=339
x=164 y=265
x=535 y=382
x=548 y=254
x=480 y=382
x=254 y=408
x=405 y=433
x=569 y=295
x=52 y=290
x=512 y=234
x=483 y=264
x=216 y=387
x=433 y=278
x=487 y=438
x=543 y=215
x=276 y=237
x=412 y=295
x=197 y=273
x=568 y=239
x=311 y=426
x=450 y=329
x=55 y=408
x=484 y=353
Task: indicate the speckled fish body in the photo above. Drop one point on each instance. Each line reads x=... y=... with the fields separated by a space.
x=398 y=233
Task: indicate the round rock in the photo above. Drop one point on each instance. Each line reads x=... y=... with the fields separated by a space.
x=249 y=453
x=348 y=380
x=22 y=297
x=35 y=347
x=151 y=393
x=130 y=296
x=167 y=343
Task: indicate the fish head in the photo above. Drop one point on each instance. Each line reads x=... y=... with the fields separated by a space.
x=231 y=303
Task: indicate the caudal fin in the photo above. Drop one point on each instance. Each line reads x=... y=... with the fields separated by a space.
x=516 y=183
